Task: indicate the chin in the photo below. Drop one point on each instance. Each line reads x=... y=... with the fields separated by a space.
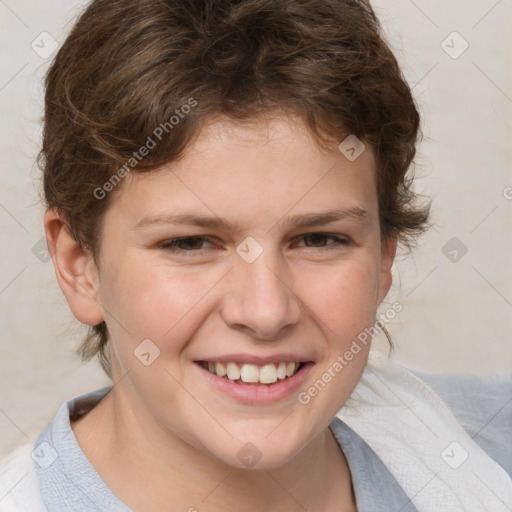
x=261 y=454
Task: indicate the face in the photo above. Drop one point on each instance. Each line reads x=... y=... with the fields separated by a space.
x=257 y=248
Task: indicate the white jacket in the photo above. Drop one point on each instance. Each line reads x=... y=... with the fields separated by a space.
x=19 y=489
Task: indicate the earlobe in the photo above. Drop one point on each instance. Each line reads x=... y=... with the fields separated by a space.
x=75 y=269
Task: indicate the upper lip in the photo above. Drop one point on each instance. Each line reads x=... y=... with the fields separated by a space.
x=257 y=360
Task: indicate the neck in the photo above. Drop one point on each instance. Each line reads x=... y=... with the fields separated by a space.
x=148 y=468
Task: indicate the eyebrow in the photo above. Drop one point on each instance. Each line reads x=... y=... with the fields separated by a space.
x=296 y=221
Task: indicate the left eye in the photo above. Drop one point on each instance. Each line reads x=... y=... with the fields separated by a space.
x=317 y=240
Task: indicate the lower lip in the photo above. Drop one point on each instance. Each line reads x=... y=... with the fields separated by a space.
x=258 y=394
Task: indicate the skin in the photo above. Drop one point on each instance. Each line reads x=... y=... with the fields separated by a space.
x=309 y=296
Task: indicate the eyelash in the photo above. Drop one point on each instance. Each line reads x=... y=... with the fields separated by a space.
x=173 y=244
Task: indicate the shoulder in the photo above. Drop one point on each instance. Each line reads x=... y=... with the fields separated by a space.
x=483 y=406
x=20 y=485
x=19 y=489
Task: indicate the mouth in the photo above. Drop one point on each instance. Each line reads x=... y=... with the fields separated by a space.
x=251 y=374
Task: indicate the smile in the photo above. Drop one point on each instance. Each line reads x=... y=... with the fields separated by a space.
x=252 y=374
x=254 y=382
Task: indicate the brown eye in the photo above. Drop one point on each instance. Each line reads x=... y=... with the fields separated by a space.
x=186 y=244
x=315 y=240
x=318 y=240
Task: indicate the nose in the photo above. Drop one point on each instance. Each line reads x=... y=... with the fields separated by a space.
x=260 y=301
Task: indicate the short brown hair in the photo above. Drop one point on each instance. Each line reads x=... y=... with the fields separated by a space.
x=129 y=66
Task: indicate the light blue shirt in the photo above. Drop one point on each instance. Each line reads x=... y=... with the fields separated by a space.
x=483 y=406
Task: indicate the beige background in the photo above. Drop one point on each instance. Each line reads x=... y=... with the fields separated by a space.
x=457 y=316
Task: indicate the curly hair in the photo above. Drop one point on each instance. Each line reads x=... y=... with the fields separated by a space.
x=129 y=66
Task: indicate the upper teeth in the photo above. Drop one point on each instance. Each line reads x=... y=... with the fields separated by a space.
x=266 y=374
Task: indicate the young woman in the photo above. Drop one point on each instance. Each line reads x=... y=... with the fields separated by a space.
x=226 y=188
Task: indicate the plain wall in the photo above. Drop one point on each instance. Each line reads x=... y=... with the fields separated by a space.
x=456 y=307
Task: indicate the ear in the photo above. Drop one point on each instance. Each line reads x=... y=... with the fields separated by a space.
x=387 y=257
x=75 y=270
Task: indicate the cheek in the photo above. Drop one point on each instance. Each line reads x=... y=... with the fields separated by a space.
x=342 y=299
x=343 y=302
x=145 y=301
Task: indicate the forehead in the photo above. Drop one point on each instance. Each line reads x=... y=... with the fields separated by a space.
x=259 y=169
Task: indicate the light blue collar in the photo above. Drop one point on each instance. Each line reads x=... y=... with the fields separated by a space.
x=68 y=481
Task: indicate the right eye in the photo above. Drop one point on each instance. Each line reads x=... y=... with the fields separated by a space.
x=185 y=245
